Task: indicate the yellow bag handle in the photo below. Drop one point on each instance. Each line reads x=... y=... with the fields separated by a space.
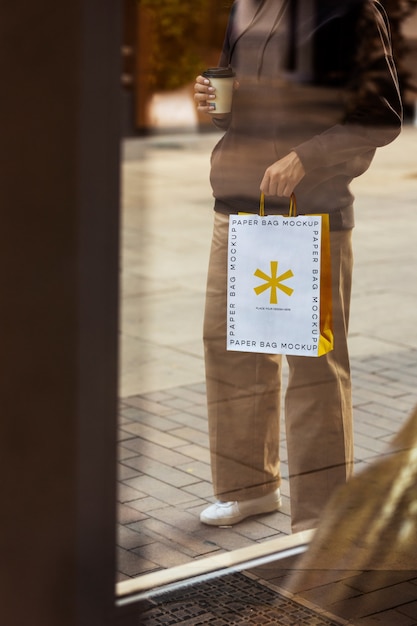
x=293 y=206
x=262 y=205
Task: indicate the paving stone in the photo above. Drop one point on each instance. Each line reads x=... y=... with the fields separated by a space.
x=154 y=421
x=371 y=581
x=131 y=564
x=129 y=413
x=328 y=590
x=280 y=521
x=160 y=490
x=178 y=403
x=123 y=420
x=410 y=610
x=386 y=404
x=129 y=539
x=198 y=469
x=148 y=405
x=377 y=378
x=369 y=443
x=193 y=397
x=124 y=472
x=178 y=519
x=201 y=489
x=285 y=485
x=199 y=411
x=283 y=455
x=139 y=446
x=191 y=544
x=371 y=430
x=152 y=434
x=383 y=387
x=363 y=454
x=361 y=466
x=150 y=467
x=397 y=360
x=159 y=396
x=162 y=555
x=146 y=504
x=255 y=530
x=191 y=507
x=128 y=515
x=188 y=418
x=124 y=453
x=225 y=538
x=390 y=423
x=122 y=577
x=387 y=618
x=385 y=599
x=197 y=508
x=126 y=493
x=198 y=388
x=122 y=434
x=192 y=435
x=200 y=453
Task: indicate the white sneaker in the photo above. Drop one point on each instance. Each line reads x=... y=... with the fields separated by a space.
x=229 y=513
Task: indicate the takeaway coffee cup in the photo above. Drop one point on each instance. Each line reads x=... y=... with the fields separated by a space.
x=222 y=79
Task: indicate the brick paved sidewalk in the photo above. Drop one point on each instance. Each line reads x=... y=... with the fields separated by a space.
x=164 y=471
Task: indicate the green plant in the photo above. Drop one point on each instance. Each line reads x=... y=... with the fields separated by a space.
x=177 y=42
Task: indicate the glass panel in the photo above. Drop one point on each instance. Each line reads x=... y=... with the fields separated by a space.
x=164 y=456
x=164 y=462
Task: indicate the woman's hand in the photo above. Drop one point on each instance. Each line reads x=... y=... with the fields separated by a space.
x=204 y=94
x=282 y=177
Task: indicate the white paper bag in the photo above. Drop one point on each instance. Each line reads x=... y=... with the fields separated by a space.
x=279 y=285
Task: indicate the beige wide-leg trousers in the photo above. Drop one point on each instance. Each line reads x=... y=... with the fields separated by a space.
x=243 y=396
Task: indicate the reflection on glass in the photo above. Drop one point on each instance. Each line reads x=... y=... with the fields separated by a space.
x=363 y=559
x=290 y=107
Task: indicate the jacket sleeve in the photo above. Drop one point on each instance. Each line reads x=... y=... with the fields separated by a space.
x=374 y=110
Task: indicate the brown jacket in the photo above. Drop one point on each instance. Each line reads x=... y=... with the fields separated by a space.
x=334 y=134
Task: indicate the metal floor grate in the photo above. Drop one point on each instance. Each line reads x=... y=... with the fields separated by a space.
x=232 y=599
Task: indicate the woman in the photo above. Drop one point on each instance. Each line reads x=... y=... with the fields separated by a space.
x=283 y=136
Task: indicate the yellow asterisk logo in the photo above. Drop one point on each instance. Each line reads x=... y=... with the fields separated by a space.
x=273 y=282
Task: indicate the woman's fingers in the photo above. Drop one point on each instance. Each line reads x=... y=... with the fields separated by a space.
x=283 y=176
x=204 y=93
